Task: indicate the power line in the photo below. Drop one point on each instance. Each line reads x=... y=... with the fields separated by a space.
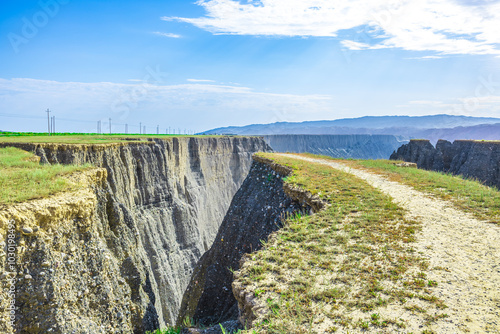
x=51 y=123
x=48 y=121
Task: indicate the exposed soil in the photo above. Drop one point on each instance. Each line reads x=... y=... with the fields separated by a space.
x=463 y=252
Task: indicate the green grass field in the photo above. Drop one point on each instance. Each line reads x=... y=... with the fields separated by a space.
x=23 y=178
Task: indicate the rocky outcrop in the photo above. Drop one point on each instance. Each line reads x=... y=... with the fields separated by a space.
x=256 y=211
x=337 y=146
x=122 y=265
x=478 y=160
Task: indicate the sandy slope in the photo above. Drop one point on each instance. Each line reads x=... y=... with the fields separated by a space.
x=469 y=249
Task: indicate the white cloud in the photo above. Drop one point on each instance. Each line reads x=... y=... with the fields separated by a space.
x=442 y=26
x=167 y=34
x=471 y=106
x=199 y=80
x=197 y=106
x=427 y=102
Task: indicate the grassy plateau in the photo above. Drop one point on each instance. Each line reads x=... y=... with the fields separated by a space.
x=348 y=267
x=23 y=178
x=467 y=195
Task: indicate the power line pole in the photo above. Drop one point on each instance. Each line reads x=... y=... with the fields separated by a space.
x=48 y=120
x=53 y=124
x=157 y=129
x=110 y=126
x=144 y=130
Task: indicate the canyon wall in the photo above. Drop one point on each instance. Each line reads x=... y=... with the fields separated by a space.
x=473 y=159
x=337 y=146
x=256 y=211
x=117 y=256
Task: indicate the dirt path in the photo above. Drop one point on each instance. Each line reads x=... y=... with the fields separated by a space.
x=468 y=248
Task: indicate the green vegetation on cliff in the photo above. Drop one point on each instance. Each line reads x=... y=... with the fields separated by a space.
x=350 y=266
x=22 y=177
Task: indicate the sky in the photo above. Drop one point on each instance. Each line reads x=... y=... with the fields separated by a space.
x=189 y=66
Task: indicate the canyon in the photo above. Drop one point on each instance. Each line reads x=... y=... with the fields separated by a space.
x=337 y=146
x=156 y=229
x=118 y=254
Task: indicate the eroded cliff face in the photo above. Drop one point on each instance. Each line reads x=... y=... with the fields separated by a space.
x=473 y=159
x=257 y=210
x=123 y=265
x=337 y=146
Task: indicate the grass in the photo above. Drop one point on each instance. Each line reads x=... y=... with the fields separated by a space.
x=80 y=138
x=467 y=195
x=178 y=330
x=169 y=330
x=22 y=178
x=343 y=267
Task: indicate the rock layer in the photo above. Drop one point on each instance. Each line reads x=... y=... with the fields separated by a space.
x=126 y=262
x=255 y=212
x=473 y=159
x=337 y=146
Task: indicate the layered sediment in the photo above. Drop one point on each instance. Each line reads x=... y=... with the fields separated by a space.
x=478 y=160
x=117 y=256
x=257 y=210
x=356 y=146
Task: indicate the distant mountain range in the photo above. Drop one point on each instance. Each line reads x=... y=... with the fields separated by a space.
x=434 y=127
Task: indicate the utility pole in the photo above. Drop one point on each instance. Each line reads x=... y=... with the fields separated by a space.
x=110 y=126
x=157 y=129
x=48 y=120
x=54 y=124
x=98 y=126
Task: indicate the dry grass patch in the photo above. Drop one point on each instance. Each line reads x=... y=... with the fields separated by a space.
x=467 y=195
x=349 y=267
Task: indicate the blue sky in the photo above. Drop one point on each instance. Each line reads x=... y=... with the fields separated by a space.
x=206 y=64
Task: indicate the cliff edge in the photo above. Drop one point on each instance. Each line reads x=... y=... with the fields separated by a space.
x=123 y=265
x=473 y=159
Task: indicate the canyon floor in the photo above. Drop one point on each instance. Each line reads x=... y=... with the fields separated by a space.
x=467 y=249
